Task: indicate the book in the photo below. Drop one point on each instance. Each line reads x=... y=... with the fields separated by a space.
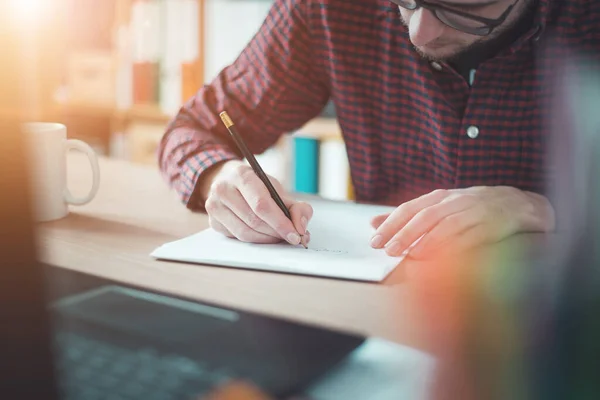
x=334 y=170
x=306 y=164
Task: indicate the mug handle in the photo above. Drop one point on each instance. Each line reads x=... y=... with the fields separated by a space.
x=85 y=148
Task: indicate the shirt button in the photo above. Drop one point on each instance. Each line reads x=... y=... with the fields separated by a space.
x=472 y=131
x=436 y=65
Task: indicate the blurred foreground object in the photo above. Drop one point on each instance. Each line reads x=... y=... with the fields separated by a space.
x=237 y=391
x=529 y=328
x=565 y=331
x=25 y=356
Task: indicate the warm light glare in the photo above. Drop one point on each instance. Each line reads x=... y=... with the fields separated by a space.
x=27 y=10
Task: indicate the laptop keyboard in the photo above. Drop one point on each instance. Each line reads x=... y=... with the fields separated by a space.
x=92 y=370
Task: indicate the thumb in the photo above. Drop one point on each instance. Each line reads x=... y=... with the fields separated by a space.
x=378 y=220
x=301 y=214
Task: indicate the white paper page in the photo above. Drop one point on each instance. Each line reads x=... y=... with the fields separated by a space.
x=378 y=370
x=339 y=247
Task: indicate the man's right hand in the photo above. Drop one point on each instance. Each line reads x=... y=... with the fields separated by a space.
x=240 y=206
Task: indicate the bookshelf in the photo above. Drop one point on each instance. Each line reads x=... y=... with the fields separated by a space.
x=119 y=67
x=109 y=73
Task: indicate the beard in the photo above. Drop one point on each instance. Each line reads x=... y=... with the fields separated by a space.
x=483 y=47
x=439 y=51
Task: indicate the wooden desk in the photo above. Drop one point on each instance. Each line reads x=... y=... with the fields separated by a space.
x=134 y=212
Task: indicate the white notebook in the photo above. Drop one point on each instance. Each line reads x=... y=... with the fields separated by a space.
x=339 y=247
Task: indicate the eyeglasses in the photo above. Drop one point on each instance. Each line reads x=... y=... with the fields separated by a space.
x=459 y=20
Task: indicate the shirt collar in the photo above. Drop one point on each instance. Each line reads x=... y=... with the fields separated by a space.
x=544 y=10
x=542 y=16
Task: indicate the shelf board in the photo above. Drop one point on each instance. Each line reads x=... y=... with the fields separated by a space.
x=11 y=113
x=83 y=109
x=149 y=112
x=321 y=128
x=16 y=114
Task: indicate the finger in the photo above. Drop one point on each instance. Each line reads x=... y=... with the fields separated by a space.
x=378 y=220
x=224 y=219
x=243 y=232
x=301 y=214
x=402 y=214
x=219 y=227
x=423 y=222
x=305 y=238
x=451 y=227
x=259 y=199
x=236 y=203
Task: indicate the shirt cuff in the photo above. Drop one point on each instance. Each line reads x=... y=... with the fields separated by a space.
x=192 y=170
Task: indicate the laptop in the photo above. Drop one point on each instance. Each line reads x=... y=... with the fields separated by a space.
x=83 y=337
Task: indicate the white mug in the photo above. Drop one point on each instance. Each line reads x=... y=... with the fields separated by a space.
x=48 y=147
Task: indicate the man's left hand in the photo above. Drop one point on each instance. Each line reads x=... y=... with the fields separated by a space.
x=461 y=217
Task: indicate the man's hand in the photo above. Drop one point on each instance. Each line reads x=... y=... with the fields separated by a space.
x=461 y=218
x=240 y=206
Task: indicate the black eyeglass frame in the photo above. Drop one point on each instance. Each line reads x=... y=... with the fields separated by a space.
x=490 y=24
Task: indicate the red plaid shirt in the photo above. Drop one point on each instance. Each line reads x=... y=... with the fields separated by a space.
x=410 y=126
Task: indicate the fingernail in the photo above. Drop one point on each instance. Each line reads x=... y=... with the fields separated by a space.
x=376 y=241
x=293 y=238
x=393 y=248
x=303 y=222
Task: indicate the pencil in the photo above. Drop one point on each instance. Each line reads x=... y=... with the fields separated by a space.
x=256 y=166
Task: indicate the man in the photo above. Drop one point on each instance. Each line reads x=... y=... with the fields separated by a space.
x=441 y=104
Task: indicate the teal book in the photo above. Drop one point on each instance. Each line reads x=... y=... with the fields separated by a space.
x=306 y=165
